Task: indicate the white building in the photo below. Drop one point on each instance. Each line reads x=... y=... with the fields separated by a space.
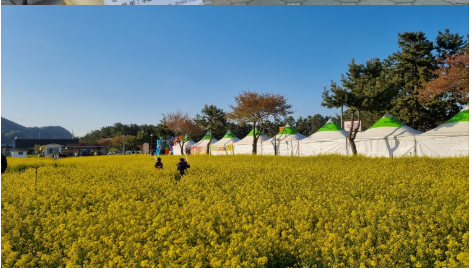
x=18 y=153
x=50 y=149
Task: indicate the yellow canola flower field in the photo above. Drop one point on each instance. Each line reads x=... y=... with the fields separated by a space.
x=236 y=211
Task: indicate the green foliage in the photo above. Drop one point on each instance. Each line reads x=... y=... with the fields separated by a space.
x=411 y=66
x=366 y=88
x=142 y=134
x=311 y=124
x=37 y=148
x=394 y=84
x=212 y=119
x=448 y=44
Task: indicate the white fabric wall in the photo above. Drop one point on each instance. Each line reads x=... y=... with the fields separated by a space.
x=387 y=147
x=284 y=148
x=176 y=147
x=324 y=147
x=247 y=149
x=442 y=146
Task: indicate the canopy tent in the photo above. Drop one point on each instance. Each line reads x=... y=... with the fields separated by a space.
x=187 y=145
x=200 y=147
x=329 y=139
x=244 y=146
x=449 y=139
x=219 y=148
x=386 y=138
x=286 y=142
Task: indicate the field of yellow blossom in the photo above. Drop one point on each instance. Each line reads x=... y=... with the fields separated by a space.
x=236 y=211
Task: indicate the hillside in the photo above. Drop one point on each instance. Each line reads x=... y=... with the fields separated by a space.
x=10 y=130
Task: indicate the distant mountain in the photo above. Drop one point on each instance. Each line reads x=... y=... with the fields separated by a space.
x=10 y=130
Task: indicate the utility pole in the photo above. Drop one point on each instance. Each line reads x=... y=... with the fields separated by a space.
x=123 y=143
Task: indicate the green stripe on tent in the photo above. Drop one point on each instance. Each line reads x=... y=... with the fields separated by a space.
x=330 y=127
x=388 y=121
x=207 y=137
x=229 y=135
x=462 y=116
x=288 y=130
x=252 y=133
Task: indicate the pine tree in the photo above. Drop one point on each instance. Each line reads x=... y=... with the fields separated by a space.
x=411 y=66
x=364 y=88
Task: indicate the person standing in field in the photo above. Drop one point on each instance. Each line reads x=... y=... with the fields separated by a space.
x=182 y=166
x=159 y=164
x=4 y=163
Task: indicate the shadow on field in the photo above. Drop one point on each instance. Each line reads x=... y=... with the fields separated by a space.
x=176 y=176
x=282 y=260
x=22 y=167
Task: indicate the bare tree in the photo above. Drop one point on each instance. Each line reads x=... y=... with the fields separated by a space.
x=180 y=124
x=256 y=109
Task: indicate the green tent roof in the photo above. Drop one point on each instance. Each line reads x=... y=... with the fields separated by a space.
x=330 y=126
x=288 y=130
x=229 y=135
x=252 y=133
x=388 y=121
x=207 y=137
x=187 y=138
x=461 y=116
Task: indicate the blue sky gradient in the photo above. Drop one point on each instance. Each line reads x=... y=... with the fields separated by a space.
x=87 y=67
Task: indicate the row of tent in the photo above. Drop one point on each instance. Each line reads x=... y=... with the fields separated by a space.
x=388 y=137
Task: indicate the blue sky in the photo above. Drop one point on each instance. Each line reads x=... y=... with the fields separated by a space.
x=88 y=67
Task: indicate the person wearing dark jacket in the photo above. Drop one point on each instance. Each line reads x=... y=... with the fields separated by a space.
x=182 y=166
x=159 y=164
x=4 y=163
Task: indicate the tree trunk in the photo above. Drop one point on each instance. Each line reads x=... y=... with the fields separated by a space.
x=275 y=145
x=181 y=147
x=208 y=145
x=254 y=143
x=353 y=133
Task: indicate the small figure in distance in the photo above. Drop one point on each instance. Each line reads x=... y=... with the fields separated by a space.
x=159 y=164
x=4 y=163
x=182 y=167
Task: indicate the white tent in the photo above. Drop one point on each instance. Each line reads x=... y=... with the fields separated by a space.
x=449 y=139
x=329 y=139
x=200 y=147
x=244 y=146
x=219 y=148
x=387 y=138
x=176 y=150
x=287 y=143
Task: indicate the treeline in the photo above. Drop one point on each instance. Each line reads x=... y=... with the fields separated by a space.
x=135 y=135
x=423 y=84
